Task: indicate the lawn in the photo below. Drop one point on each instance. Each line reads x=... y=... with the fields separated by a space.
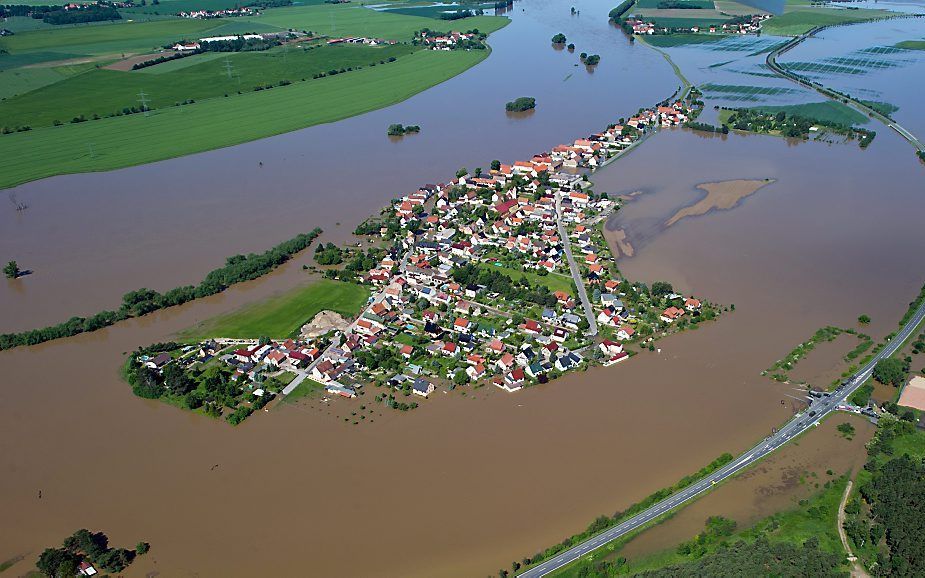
x=105 y=92
x=307 y=388
x=215 y=123
x=695 y=4
x=708 y=18
x=828 y=110
x=281 y=316
x=554 y=281
x=802 y=19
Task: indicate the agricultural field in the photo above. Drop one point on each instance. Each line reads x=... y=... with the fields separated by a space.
x=215 y=123
x=281 y=316
x=673 y=40
x=65 y=75
x=103 y=92
x=799 y=18
x=912 y=45
x=826 y=111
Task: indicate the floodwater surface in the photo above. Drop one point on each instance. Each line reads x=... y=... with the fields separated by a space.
x=462 y=485
x=90 y=238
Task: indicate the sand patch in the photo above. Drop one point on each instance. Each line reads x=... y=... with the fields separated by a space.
x=720 y=196
x=322 y=323
x=621 y=243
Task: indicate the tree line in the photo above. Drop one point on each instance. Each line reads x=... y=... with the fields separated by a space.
x=237 y=269
x=84 y=545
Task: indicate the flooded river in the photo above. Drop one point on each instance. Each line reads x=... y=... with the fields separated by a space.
x=462 y=485
x=90 y=238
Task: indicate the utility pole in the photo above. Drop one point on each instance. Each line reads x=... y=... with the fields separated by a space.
x=143 y=99
x=229 y=68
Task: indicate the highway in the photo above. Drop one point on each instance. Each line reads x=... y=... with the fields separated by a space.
x=818 y=409
x=576 y=273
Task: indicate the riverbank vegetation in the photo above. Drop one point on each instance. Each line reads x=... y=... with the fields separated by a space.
x=82 y=548
x=237 y=269
x=521 y=104
x=779 y=370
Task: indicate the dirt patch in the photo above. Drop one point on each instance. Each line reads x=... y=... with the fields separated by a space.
x=621 y=243
x=322 y=323
x=126 y=64
x=723 y=195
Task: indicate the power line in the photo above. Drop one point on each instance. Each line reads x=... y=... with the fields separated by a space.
x=143 y=99
x=229 y=68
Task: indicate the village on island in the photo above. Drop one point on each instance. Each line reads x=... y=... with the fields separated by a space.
x=498 y=277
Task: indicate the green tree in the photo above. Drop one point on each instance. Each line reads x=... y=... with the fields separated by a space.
x=890 y=371
x=11 y=270
x=559 y=38
x=864 y=319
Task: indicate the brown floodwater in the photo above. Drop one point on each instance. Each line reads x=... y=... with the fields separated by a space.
x=777 y=483
x=90 y=238
x=825 y=363
x=462 y=485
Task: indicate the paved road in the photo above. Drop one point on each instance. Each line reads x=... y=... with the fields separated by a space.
x=829 y=93
x=576 y=273
x=803 y=421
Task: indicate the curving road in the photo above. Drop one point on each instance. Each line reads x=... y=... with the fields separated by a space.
x=576 y=273
x=801 y=422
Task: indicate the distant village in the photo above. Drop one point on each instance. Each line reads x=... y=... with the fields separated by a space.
x=750 y=24
x=499 y=277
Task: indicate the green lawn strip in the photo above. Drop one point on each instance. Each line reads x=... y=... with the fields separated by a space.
x=107 y=92
x=672 y=40
x=911 y=44
x=280 y=316
x=307 y=388
x=217 y=123
x=803 y=19
x=554 y=281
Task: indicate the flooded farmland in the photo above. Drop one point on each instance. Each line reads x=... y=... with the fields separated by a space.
x=464 y=484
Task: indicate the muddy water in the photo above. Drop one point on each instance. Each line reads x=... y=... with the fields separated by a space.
x=775 y=484
x=90 y=238
x=825 y=362
x=462 y=485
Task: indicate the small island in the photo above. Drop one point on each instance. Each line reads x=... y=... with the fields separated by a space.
x=559 y=38
x=85 y=551
x=12 y=270
x=399 y=130
x=589 y=59
x=521 y=104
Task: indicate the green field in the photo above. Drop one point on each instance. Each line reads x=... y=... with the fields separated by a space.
x=56 y=74
x=216 y=123
x=105 y=92
x=281 y=316
x=828 y=110
x=696 y=4
x=911 y=44
x=339 y=20
x=801 y=19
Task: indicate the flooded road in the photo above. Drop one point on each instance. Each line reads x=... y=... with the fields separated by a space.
x=462 y=485
x=90 y=238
